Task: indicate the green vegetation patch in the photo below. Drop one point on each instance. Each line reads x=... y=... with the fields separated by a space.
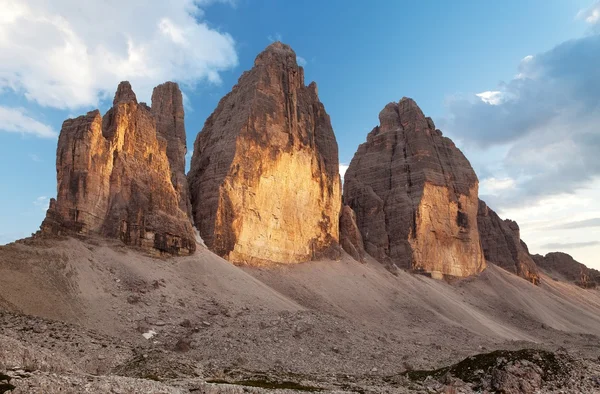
x=472 y=368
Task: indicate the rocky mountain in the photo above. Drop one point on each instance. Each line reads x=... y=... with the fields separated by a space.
x=120 y=175
x=502 y=244
x=415 y=196
x=264 y=179
x=562 y=266
x=167 y=108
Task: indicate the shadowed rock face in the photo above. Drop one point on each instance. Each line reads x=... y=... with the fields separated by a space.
x=415 y=196
x=502 y=245
x=564 y=267
x=264 y=178
x=350 y=237
x=114 y=178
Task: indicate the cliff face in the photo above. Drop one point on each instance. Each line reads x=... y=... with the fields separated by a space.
x=114 y=179
x=167 y=108
x=564 y=267
x=415 y=196
x=350 y=238
x=502 y=245
x=264 y=179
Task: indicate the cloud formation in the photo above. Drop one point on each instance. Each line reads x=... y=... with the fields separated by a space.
x=301 y=61
x=573 y=245
x=70 y=54
x=591 y=14
x=343 y=169
x=594 y=222
x=547 y=119
x=42 y=202
x=16 y=120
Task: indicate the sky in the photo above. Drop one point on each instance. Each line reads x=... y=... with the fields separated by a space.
x=516 y=85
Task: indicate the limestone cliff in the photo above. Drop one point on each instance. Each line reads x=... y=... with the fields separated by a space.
x=502 y=245
x=167 y=108
x=264 y=179
x=114 y=179
x=350 y=237
x=562 y=266
x=415 y=196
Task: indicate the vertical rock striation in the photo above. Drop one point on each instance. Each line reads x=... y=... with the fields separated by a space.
x=502 y=244
x=114 y=179
x=415 y=196
x=264 y=180
x=350 y=237
x=167 y=108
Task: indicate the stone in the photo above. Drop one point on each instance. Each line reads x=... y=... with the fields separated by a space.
x=502 y=244
x=350 y=238
x=264 y=178
x=167 y=108
x=114 y=179
x=415 y=196
x=562 y=266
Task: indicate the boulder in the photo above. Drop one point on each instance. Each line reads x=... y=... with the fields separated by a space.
x=264 y=179
x=114 y=179
x=415 y=196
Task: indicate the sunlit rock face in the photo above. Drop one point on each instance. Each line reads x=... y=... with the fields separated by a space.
x=115 y=179
x=502 y=244
x=167 y=108
x=264 y=178
x=415 y=196
x=562 y=266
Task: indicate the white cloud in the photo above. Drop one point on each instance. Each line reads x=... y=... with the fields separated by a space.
x=42 y=202
x=491 y=97
x=343 y=168
x=565 y=221
x=544 y=124
x=70 y=54
x=494 y=185
x=16 y=120
x=301 y=61
x=591 y=14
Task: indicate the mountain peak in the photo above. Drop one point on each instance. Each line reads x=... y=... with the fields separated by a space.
x=124 y=93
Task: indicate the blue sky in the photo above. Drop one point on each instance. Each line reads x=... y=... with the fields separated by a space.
x=62 y=59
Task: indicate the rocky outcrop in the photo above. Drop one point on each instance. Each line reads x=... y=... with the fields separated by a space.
x=562 y=266
x=114 y=178
x=264 y=178
x=415 y=196
x=167 y=108
x=350 y=237
x=502 y=244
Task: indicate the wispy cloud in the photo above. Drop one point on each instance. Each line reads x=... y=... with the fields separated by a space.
x=595 y=222
x=35 y=158
x=573 y=245
x=591 y=14
x=42 y=202
x=275 y=37
x=301 y=61
x=16 y=120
